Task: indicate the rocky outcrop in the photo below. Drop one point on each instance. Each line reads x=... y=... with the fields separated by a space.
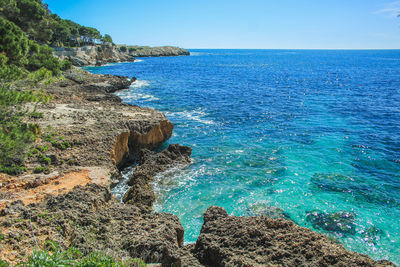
x=72 y=204
x=92 y=55
x=141 y=192
x=261 y=241
x=99 y=131
x=160 y=51
x=90 y=219
x=103 y=54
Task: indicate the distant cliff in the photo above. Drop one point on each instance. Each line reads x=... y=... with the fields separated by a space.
x=102 y=54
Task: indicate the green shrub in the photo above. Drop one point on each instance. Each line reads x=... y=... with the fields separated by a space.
x=53 y=256
x=13 y=42
x=65 y=65
x=123 y=48
x=9 y=72
x=41 y=56
x=16 y=136
x=40 y=75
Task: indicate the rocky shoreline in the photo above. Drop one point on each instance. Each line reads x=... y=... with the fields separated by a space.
x=98 y=55
x=72 y=204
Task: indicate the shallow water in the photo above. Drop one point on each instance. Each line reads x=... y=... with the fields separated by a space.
x=301 y=130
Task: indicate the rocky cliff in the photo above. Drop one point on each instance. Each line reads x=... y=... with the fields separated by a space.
x=102 y=54
x=71 y=203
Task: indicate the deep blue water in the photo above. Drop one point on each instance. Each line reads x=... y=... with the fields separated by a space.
x=301 y=130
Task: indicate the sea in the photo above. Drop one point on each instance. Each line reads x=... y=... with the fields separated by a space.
x=309 y=135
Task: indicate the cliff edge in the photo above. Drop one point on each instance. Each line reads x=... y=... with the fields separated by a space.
x=97 y=55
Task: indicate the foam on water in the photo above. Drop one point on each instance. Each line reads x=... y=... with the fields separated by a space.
x=122 y=187
x=139 y=84
x=197 y=115
x=297 y=130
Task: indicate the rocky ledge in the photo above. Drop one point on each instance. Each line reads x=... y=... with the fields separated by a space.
x=87 y=134
x=71 y=202
x=103 y=54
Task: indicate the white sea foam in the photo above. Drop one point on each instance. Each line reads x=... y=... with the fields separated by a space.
x=173 y=178
x=139 y=84
x=194 y=115
x=133 y=96
x=122 y=187
x=138 y=60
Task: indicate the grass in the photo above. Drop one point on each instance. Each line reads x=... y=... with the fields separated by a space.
x=53 y=256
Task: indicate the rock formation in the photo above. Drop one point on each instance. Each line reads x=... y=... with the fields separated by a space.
x=102 y=54
x=87 y=135
x=261 y=241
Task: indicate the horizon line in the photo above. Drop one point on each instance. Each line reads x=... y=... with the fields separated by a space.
x=297 y=48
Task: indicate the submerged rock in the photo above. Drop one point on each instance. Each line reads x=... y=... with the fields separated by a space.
x=261 y=241
x=266 y=210
x=360 y=189
x=341 y=223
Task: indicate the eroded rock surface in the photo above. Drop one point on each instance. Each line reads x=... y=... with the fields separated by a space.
x=261 y=241
x=90 y=219
x=99 y=132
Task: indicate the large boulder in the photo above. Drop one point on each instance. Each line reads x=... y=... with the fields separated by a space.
x=261 y=241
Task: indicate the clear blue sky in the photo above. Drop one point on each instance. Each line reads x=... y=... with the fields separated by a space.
x=241 y=23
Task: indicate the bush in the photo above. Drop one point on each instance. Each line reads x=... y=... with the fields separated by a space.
x=13 y=42
x=123 y=48
x=66 y=65
x=9 y=73
x=40 y=75
x=16 y=136
x=42 y=56
x=54 y=257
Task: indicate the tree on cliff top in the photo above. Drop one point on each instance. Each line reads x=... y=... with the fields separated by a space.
x=39 y=24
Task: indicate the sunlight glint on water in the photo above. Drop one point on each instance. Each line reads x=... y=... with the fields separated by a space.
x=298 y=130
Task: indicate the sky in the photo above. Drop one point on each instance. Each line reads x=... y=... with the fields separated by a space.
x=256 y=24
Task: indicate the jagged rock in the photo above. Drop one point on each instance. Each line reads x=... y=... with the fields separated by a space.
x=89 y=219
x=341 y=223
x=162 y=51
x=261 y=241
x=141 y=193
x=93 y=122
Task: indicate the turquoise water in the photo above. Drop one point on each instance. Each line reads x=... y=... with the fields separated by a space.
x=313 y=133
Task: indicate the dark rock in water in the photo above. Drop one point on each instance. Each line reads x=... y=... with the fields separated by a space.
x=261 y=241
x=372 y=234
x=360 y=189
x=341 y=223
x=141 y=193
x=333 y=182
x=266 y=210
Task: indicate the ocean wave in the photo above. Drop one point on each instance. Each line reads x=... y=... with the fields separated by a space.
x=138 y=60
x=139 y=84
x=194 y=115
x=137 y=96
x=175 y=177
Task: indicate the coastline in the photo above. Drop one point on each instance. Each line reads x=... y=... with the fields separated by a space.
x=88 y=216
x=98 y=55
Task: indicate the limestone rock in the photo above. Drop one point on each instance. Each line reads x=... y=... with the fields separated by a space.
x=261 y=241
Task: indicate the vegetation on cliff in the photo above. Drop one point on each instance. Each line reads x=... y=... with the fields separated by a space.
x=27 y=28
x=37 y=21
x=53 y=256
